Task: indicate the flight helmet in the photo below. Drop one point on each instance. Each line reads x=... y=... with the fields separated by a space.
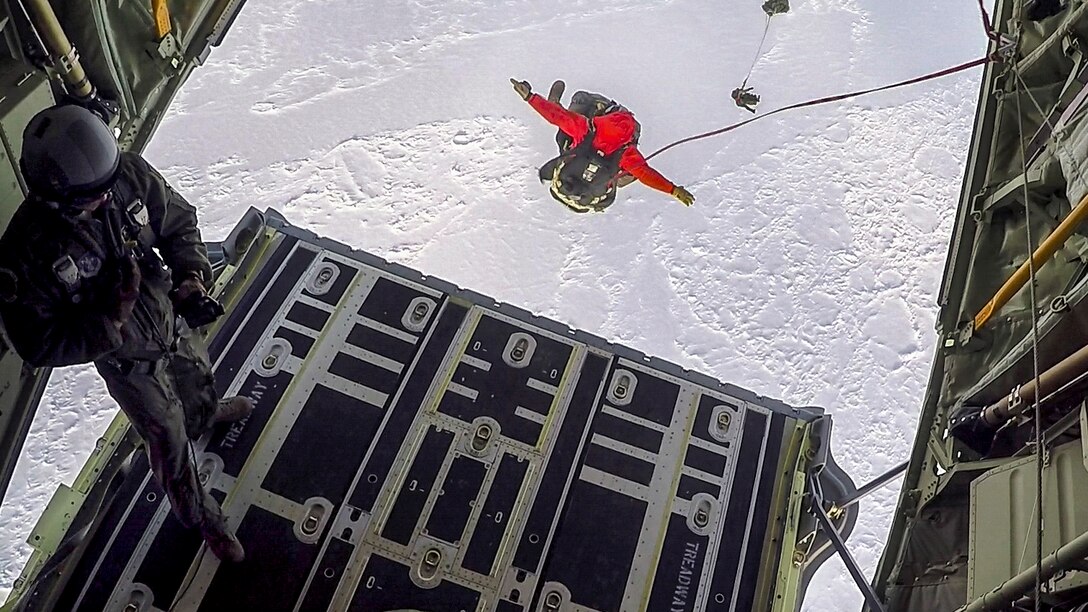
x=69 y=154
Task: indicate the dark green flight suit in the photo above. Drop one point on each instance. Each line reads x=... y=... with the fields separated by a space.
x=67 y=278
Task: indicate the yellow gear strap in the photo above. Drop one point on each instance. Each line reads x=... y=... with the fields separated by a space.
x=162 y=18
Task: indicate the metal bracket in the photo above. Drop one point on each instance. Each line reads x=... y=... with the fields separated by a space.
x=167 y=50
x=1015 y=401
x=63 y=64
x=1006 y=47
x=871 y=599
x=1071 y=48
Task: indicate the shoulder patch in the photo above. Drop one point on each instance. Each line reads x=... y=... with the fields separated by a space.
x=88 y=265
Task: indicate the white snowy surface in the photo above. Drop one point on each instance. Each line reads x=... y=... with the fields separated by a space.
x=806 y=271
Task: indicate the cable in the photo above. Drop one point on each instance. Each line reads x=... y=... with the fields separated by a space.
x=1034 y=351
x=986 y=22
x=818 y=101
x=759 y=50
x=990 y=34
x=1059 y=142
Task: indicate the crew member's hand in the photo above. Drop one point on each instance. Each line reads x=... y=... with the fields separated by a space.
x=128 y=292
x=189 y=286
x=523 y=88
x=683 y=195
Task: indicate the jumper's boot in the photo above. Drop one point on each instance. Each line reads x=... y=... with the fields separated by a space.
x=556 y=92
x=230 y=409
x=222 y=542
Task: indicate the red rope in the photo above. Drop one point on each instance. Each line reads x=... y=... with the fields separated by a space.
x=730 y=128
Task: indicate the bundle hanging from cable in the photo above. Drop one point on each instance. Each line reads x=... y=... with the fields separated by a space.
x=997 y=38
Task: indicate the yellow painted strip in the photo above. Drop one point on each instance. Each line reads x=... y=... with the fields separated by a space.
x=251 y=261
x=295 y=381
x=471 y=322
x=784 y=584
x=663 y=528
x=789 y=570
x=521 y=506
x=564 y=380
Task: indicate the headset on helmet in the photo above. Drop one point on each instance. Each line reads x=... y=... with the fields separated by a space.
x=69 y=153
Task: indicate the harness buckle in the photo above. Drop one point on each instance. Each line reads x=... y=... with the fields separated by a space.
x=134 y=366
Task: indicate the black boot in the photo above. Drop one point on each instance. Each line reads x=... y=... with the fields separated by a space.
x=556 y=92
x=223 y=543
x=230 y=409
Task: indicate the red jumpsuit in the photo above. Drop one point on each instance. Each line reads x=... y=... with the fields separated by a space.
x=613 y=131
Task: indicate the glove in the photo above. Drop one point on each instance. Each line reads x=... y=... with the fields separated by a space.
x=523 y=88
x=128 y=292
x=683 y=195
x=191 y=284
x=199 y=309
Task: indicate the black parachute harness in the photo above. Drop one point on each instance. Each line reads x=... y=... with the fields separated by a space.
x=596 y=173
x=591 y=169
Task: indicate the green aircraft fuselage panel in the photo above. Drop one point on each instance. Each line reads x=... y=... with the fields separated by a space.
x=1025 y=173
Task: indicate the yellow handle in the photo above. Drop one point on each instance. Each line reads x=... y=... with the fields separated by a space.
x=1046 y=250
x=162 y=18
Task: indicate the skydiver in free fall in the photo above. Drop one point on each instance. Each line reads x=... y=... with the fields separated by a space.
x=598 y=150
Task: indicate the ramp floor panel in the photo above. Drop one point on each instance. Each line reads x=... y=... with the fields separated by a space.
x=417 y=446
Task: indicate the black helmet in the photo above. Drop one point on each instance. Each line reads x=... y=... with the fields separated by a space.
x=68 y=153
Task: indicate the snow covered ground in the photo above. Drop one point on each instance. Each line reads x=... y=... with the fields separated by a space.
x=807 y=270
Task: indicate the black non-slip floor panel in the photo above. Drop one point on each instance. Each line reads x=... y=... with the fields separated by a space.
x=567 y=490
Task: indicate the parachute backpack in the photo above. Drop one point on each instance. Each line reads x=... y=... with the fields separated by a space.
x=583 y=178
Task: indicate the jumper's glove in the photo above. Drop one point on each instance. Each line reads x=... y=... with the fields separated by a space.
x=683 y=195
x=192 y=303
x=127 y=292
x=523 y=88
x=190 y=284
x=199 y=309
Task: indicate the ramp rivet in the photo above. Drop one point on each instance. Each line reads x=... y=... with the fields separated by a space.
x=420 y=312
x=552 y=601
x=702 y=518
x=481 y=437
x=428 y=567
x=520 y=347
x=723 y=421
x=622 y=387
